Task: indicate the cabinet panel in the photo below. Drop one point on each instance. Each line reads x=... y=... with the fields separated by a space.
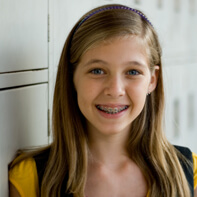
x=23 y=78
x=23 y=123
x=23 y=35
x=65 y=15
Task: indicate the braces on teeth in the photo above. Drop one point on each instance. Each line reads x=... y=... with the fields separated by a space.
x=110 y=110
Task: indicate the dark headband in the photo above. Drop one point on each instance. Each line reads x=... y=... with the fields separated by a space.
x=113 y=8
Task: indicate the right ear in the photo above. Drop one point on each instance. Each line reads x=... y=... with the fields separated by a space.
x=154 y=78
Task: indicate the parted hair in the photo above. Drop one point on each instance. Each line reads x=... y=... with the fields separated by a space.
x=147 y=145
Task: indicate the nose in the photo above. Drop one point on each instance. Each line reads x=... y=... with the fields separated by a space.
x=114 y=87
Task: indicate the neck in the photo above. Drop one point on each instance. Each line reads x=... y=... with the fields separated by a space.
x=108 y=150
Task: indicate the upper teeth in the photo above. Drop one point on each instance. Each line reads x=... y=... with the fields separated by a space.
x=111 y=110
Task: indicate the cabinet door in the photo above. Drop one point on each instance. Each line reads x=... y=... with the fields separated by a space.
x=23 y=123
x=64 y=15
x=23 y=35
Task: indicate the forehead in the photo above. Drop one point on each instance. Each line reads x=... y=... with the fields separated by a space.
x=116 y=51
x=112 y=39
x=129 y=44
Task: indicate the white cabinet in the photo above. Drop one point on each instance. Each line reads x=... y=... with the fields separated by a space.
x=23 y=79
x=23 y=35
x=23 y=123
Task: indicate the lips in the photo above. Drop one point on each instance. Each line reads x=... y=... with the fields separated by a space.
x=112 y=110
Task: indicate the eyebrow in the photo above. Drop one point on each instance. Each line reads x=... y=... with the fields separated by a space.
x=129 y=63
x=95 y=61
x=136 y=63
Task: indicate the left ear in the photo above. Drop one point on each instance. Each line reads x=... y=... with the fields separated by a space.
x=154 y=78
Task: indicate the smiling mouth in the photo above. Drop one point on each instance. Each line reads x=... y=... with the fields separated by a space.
x=111 y=110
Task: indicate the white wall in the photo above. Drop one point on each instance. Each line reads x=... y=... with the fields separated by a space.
x=29 y=58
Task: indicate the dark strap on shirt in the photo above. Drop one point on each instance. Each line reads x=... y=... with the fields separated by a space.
x=188 y=169
x=41 y=162
x=42 y=158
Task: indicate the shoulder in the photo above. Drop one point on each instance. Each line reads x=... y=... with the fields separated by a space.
x=23 y=176
x=22 y=169
x=188 y=154
x=191 y=172
x=29 y=161
x=186 y=160
x=26 y=172
x=184 y=151
x=194 y=155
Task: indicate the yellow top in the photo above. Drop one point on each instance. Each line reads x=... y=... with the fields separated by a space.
x=195 y=169
x=25 y=179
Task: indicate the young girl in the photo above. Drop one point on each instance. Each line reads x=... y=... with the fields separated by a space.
x=107 y=118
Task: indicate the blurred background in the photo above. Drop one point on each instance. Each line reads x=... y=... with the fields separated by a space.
x=32 y=34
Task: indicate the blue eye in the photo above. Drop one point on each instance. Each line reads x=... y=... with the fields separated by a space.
x=133 y=72
x=97 y=71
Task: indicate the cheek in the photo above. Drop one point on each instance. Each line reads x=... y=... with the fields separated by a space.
x=139 y=89
x=82 y=103
x=138 y=94
x=85 y=94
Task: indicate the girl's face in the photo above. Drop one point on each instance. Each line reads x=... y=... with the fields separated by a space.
x=112 y=81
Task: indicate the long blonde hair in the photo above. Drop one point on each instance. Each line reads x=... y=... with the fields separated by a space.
x=147 y=144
